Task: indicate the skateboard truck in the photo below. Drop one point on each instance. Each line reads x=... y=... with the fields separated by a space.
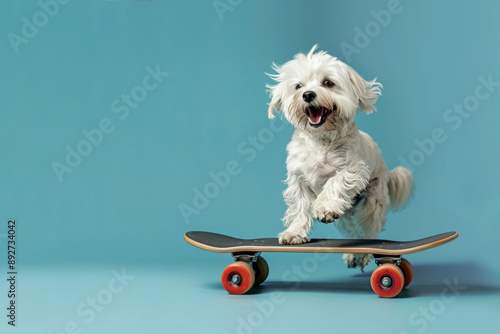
x=247 y=257
x=381 y=259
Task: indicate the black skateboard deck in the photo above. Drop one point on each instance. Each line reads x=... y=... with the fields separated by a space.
x=220 y=243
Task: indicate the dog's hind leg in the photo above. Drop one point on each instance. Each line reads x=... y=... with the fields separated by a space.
x=370 y=216
x=371 y=213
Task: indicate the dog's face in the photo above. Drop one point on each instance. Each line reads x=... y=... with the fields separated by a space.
x=318 y=92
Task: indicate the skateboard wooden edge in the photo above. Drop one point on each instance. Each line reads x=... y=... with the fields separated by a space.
x=292 y=249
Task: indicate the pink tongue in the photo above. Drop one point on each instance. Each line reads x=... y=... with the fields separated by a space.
x=315 y=118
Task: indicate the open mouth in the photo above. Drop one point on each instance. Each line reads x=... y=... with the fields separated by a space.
x=318 y=115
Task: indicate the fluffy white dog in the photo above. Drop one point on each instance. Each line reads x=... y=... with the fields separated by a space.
x=335 y=172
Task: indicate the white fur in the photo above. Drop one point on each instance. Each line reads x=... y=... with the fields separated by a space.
x=329 y=165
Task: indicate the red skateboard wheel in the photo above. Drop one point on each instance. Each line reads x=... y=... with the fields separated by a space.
x=238 y=277
x=387 y=280
x=407 y=270
x=261 y=269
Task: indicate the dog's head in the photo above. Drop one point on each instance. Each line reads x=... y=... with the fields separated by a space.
x=318 y=92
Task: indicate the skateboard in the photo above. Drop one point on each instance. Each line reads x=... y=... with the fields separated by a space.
x=393 y=273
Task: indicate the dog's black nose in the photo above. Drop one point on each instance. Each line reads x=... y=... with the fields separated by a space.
x=309 y=96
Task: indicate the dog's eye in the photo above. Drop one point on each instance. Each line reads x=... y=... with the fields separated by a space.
x=328 y=83
x=299 y=86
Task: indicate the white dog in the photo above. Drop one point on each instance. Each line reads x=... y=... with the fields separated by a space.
x=335 y=172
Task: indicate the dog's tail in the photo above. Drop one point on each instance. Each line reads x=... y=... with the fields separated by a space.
x=400 y=186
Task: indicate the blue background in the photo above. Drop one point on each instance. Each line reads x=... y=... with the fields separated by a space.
x=119 y=208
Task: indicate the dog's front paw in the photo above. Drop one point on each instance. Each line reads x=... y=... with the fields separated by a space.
x=324 y=214
x=357 y=260
x=289 y=237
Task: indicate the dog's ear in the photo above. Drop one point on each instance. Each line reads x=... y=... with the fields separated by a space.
x=275 y=92
x=367 y=92
x=275 y=103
